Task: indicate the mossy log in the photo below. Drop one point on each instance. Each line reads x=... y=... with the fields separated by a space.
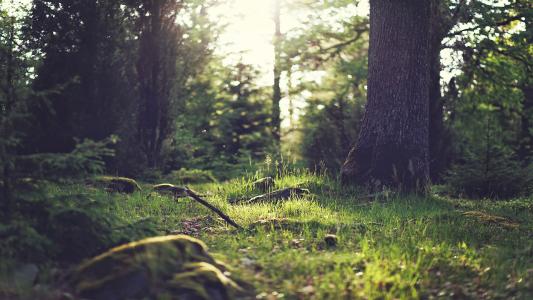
x=176 y=266
x=491 y=219
x=170 y=189
x=117 y=184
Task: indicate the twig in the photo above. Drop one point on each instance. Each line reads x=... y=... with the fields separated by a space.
x=194 y=196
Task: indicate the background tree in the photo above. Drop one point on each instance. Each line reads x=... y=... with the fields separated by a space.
x=276 y=95
x=13 y=95
x=86 y=56
x=226 y=121
x=334 y=51
x=159 y=38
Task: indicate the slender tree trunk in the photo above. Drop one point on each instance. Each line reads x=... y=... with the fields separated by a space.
x=9 y=103
x=276 y=98
x=436 y=112
x=153 y=70
x=441 y=21
x=393 y=146
x=525 y=150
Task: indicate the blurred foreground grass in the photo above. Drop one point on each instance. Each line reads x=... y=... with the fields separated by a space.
x=388 y=247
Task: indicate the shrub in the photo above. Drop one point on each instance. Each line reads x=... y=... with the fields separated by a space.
x=87 y=158
x=78 y=234
x=20 y=240
x=52 y=224
x=493 y=174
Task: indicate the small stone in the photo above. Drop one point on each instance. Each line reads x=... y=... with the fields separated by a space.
x=307 y=290
x=245 y=261
x=25 y=275
x=331 y=240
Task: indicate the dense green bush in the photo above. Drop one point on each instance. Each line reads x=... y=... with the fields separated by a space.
x=20 y=240
x=493 y=174
x=65 y=225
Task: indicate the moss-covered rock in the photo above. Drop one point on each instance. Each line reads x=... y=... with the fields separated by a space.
x=117 y=184
x=331 y=240
x=170 y=189
x=177 y=266
x=200 y=280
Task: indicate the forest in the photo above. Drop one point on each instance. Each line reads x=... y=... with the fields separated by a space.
x=266 y=149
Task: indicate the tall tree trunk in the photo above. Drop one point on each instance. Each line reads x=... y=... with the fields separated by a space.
x=276 y=98
x=393 y=148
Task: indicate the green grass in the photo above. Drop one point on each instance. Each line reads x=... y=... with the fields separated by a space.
x=388 y=248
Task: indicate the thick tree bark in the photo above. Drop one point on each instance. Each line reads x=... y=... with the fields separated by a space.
x=392 y=149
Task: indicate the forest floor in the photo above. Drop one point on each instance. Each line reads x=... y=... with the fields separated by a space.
x=383 y=248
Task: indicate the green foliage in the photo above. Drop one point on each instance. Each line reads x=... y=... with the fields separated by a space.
x=21 y=241
x=104 y=61
x=88 y=157
x=225 y=122
x=184 y=176
x=49 y=224
x=335 y=50
x=331 y=122
x=490 y=174
x=488 y=104
x=391 y=247
x=78 y=234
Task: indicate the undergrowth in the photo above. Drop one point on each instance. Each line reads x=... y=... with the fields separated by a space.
x=387 y=248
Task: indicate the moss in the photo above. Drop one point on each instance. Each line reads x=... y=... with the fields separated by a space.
x=488 y=218
x=201 y=281
x=117 y=184
x=141 y=269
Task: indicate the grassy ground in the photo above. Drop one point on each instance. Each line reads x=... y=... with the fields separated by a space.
x=387 y=248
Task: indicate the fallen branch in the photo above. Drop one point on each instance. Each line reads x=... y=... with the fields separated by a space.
x=195 y=196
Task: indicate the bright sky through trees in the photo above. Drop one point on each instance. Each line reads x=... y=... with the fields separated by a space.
x=249 y=33
x=250 y=30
